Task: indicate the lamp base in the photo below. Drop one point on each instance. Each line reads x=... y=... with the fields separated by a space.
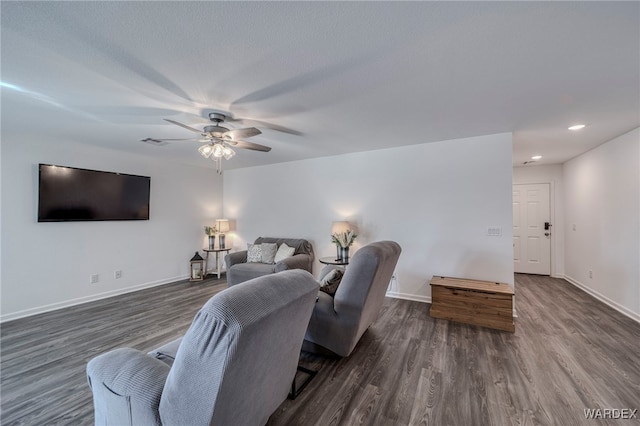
x=221 y=241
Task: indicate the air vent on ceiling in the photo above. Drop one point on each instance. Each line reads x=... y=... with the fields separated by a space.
x=154 y=142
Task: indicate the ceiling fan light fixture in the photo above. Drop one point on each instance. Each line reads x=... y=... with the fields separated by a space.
x=218 y=150
x=219 y=139
x=228 y=153
x=218 y=161
x=206 y=150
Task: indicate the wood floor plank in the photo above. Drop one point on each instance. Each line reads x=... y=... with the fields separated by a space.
x=43 y=357
x=569 y=352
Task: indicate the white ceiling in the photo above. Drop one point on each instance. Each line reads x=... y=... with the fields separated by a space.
x=348 y=76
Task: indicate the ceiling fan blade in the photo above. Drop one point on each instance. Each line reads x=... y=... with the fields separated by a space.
x=229 y=118
x=183 y=125
x=242 y=133
x=187 y=139
x=173 y=140
x=271 y=126
x=249 y=145
x=278 y=128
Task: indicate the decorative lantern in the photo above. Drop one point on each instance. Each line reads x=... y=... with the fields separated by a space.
x=197 y=268
x=223 y=226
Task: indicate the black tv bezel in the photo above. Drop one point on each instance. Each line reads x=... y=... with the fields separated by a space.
x=40 y=220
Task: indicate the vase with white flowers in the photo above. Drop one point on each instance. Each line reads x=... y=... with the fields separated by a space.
x=344 y=240
x=211 y=231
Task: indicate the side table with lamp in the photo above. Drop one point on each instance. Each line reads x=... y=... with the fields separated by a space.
x=221 y=226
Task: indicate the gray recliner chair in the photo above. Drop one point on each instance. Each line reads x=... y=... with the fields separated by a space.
x=234 y=366
x=239 y=270
x=338 y=322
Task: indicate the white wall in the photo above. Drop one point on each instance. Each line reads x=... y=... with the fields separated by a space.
x=551 y=174
x=436 y=200
x=602 y=191
x=47 y=265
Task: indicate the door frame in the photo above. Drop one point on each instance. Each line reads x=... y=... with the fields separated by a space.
x=552 y=218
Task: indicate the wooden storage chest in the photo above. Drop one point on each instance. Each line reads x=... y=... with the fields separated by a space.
x=483 y=303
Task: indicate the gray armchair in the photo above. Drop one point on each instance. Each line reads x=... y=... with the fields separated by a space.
x=239 y=270
x=234 y=366
x=338 y=322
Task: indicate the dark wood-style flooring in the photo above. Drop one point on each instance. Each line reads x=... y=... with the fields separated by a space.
x=569 y=353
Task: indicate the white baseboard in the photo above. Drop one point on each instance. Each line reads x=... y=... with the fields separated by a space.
x=81 y=300
x=408 y=296
x=604 y=299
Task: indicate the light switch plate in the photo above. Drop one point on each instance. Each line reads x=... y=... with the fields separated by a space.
x=494 y=231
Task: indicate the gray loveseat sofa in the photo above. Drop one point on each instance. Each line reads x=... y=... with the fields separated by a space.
x=239 y=270
x=234 y=366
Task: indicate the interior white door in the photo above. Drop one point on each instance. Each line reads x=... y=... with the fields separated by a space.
x=531 y=241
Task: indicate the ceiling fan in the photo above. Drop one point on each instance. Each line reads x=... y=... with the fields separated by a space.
x=220 y=140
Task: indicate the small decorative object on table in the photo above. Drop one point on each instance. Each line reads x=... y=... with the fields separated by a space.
x=211 y=231
x=196 y=268
x=343 y=240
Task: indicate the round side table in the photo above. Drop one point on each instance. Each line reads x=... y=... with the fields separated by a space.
x=330 y=260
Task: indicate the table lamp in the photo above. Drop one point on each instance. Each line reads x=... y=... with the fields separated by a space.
x=223 y=226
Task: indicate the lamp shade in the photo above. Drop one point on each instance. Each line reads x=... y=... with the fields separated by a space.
x=228 y=153
x=218 y=150
x=340 y=227
x=206 y=150
x=223 y=225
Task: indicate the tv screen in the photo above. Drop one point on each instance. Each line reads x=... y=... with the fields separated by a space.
x=71 y=194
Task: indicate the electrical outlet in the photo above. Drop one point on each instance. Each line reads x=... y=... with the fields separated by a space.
x=590 y=273
x=117 y=274
x=94 y=278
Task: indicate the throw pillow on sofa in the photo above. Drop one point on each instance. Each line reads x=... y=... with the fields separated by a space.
x=330 y=282
x=283 y=252
x=269 y=252
x=254 y=253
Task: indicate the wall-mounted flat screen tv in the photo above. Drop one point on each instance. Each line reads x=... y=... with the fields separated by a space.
x=68 y=194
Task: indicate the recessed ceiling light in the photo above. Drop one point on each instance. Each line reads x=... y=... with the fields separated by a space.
x=578 y=127
x=536 y=157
